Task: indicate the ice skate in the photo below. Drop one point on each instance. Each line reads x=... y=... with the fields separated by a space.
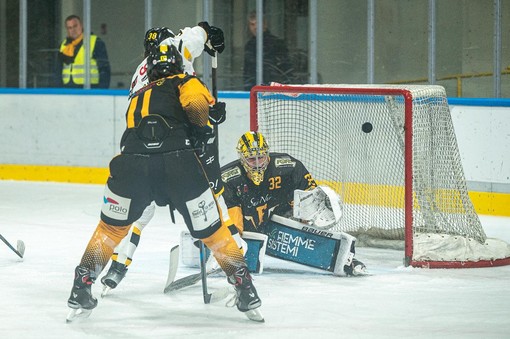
x=81 y=302
x=356 y=268
x=246 y=298
x=114 y=276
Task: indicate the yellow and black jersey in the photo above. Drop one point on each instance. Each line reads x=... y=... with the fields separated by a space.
x=250 y=205
x=161 y=116
x=179 y=99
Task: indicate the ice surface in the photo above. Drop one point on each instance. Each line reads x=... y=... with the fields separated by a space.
x=56 y=221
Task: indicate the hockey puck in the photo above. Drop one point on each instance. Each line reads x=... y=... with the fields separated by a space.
x=366 y=127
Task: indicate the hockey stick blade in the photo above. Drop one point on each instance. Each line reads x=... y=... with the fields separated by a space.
x=172 y=268
x=21 y=248
x=188 y=280
x=20 y=251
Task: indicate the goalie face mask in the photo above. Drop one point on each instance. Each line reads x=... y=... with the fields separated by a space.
x=253 y=152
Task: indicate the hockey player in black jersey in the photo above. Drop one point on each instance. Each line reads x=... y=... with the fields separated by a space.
x=166 y=121
x=260 y=184
x=190 y=42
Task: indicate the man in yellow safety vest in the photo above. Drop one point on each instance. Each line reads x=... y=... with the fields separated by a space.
x=71 y=65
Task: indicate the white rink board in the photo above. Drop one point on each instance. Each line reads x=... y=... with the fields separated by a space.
x=85 y=130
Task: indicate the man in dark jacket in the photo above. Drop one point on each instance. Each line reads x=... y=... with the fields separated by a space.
x=276 y=62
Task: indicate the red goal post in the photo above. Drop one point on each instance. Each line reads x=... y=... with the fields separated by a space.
x=391 y=154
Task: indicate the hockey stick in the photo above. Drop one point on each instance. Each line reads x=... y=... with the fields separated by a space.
x=189 y=280
x=203 y=256
x=20 y=246
x=172 y=268
x=203 y=273
x=214 y=66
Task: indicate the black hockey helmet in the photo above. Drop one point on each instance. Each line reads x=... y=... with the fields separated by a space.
x=164 y=60
x=154 y=36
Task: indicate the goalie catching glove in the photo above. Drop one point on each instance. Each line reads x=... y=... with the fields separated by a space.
x=320 y=207
x=215 y=39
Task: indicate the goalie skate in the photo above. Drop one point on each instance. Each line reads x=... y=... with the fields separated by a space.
x=356 y=269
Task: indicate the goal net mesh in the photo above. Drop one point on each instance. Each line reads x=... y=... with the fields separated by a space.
x=352 y=138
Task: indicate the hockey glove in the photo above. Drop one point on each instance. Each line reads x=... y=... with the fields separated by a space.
x=214 y=37
x=217 y=113
x=201 y=137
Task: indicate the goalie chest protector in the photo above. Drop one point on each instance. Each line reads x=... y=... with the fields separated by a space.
x=308 y=245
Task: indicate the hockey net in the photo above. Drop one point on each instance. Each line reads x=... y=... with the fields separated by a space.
x=391 y=154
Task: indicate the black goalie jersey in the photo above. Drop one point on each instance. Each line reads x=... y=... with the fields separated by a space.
x=250 y=205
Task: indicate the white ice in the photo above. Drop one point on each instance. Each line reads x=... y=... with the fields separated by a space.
x=55 y=221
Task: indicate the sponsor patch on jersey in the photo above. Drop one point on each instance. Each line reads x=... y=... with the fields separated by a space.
x=284 y=162
x=114 y=206
x=203 y=211
x=230 y=174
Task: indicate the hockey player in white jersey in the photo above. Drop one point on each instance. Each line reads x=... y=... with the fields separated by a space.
x=190 y=42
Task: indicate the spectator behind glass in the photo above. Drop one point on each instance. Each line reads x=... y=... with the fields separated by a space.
x=277 y=64
x=71 y=58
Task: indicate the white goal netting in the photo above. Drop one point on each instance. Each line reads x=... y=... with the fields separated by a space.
x=391 y=154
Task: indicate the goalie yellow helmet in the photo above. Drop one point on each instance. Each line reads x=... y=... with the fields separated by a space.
x=253 y=152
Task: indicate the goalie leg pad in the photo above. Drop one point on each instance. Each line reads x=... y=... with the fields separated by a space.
x=256 y=251
x=253 y=245
x=308 y=245
x=190 y=255
x=345 y=254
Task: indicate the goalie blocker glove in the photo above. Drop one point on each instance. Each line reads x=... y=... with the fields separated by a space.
x=217 y=113
x=214 y=37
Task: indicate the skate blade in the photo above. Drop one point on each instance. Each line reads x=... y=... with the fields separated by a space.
x=106 y=290
x=77 y=313
x=255 y=315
